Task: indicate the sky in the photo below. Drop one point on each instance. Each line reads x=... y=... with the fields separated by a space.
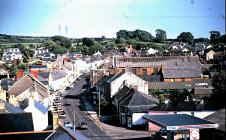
x=94 y=18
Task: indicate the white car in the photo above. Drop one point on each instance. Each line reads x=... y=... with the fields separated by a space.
x=68 y=124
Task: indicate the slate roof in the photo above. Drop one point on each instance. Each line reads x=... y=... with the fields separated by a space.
x=104 y=79
x=134 y=101
x=38 y=66
x=16 y=122
x=170 y=85
x=34 y=135
x=58 y=74
x=27 y=82
x=41 y=107
x=176 y=120
x=152 y=61
x=9 y=108
x=6 y=83
x=151 y=78
x=43 y=77
x=218 y=117
x=115 y=77
x=139 y=102
x=60 y=134
x=182 y=73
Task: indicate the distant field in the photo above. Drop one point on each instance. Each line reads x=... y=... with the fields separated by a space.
x=11 y=44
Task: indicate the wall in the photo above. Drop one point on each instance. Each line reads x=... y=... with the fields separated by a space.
x=39 y=115
x=137 y=119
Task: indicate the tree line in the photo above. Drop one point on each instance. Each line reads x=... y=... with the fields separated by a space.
x=160 y=36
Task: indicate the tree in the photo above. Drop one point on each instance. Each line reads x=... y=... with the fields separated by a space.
x=62 y=41
x=119 y=40
x=87 y=42
x=95 y=48
x=138 y=35
x=22 y=66
x=160 y=35
x=219 y=92
x=215 y=37
x=186 y=37
x=223 y=38
x=12 y=69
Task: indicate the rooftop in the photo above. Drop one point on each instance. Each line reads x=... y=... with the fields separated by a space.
x=179 y=121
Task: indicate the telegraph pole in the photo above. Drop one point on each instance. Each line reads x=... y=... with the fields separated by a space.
x=74 y=122
x=99 y=104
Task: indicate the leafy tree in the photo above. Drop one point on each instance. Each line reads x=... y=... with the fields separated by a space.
x=22 y=66
x=95 y=48
x=87 y=42
x=223 y=38
x=62 y=41
x=215 y=37
x=138 y=35
x=160 y=35
x=119 y=40
x=143 y=35
x=122 y=34
x=12 y=69
x=31 y=46
x=219 y=92
x=177 y=96
x=186 y=37
x=201 y=39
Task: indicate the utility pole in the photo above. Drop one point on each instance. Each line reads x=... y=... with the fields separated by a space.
x=74 y=122
x=99 y=103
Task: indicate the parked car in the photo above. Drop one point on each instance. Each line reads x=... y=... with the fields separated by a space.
x=68 y=124
x=82 y=125
x=67 y=88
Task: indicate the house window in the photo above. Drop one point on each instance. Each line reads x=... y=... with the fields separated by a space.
x=144 y=71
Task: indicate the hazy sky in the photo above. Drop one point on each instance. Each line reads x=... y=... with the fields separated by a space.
x=94 y=18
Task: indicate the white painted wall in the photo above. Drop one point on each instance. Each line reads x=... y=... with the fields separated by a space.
x=130 y=80
x=137 y=118
x=40 y=119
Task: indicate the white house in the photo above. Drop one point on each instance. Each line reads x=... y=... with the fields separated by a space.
x=152 y=51
x=130 y=80
x=209 y=55
x=116 y=82
x=58 y=80
x=43 y=54
x=39 y=114
x=25 y=87
x=10 y=54
x=32 y=96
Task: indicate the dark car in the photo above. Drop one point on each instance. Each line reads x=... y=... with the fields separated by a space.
x=67 y=88
x=82 y=125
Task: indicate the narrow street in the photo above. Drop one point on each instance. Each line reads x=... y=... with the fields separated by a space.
x=71 y=105
x=96 y=130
